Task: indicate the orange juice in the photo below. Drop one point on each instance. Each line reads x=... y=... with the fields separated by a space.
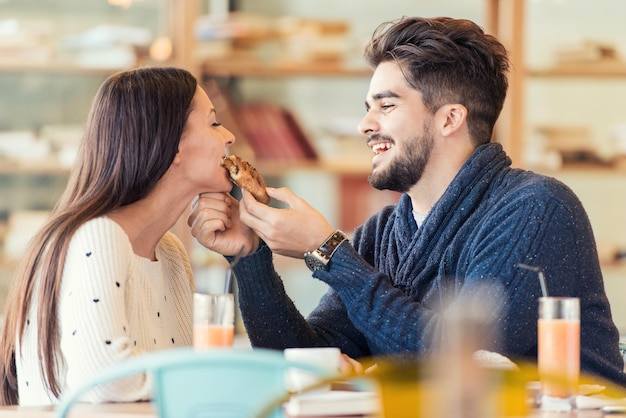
x=559 y=356
x=214 y=319
x=205 y=336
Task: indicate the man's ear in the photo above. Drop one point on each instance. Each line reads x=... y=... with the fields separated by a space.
x=453 y=117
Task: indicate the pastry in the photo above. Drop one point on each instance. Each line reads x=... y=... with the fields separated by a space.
x=244 y=175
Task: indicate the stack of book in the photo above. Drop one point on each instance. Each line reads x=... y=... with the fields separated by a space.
x=274 y=133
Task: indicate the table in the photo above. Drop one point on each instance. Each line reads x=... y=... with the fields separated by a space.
x=146 y=410
x=109 y=410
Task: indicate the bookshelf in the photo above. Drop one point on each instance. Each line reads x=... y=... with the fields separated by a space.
x=534 y=79
x=570 y=95
x=47 y=88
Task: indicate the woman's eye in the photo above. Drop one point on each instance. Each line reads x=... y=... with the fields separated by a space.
x=386 y=106
x=216 y=124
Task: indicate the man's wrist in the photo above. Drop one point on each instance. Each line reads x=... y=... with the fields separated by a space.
x=319 y=258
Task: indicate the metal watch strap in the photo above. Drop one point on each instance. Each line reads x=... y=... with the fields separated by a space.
x=320 y=257
x=329 y=246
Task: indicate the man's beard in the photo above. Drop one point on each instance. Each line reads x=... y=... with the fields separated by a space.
x=408 y=167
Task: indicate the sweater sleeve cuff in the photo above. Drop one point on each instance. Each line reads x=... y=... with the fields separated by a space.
x=346 y=268
x=255 y=272
x=259 y=249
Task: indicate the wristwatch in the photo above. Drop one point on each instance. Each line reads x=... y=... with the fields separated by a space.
x=318 y=259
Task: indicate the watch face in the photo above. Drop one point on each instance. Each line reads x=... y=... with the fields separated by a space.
x=320 y=258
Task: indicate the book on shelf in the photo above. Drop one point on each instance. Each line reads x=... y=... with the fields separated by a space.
x=263 y=131
x=586 y=51
x=274 y=133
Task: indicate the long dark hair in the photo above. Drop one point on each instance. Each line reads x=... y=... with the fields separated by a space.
x=131 y=138
x=449 y=61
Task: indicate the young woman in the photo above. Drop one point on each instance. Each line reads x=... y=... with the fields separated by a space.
x=104 y=280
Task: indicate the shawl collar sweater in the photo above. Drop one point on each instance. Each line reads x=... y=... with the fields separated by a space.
x=391 y=284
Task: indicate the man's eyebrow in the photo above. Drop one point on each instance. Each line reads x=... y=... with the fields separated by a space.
x=382 y=95
x=385 y=94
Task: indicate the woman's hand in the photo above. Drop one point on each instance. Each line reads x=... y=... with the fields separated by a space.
x=215 y=223
x=291 y=231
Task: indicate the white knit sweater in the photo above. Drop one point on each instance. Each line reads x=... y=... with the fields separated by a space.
x=113 y=305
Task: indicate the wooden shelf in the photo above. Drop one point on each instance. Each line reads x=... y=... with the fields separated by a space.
x=342 y=168
x=34 y=168
x=347 y=167
x=246 y=67
x=507 y=20
x=591 y=70
x=587 y=169
x=7 y=263
x=20 y=67
x=63 y=67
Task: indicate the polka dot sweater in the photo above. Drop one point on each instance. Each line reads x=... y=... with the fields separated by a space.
x=113 y=305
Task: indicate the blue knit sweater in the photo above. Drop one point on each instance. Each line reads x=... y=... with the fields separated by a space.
x=387 y=286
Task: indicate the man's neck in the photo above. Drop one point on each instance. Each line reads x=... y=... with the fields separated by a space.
x=438 y=174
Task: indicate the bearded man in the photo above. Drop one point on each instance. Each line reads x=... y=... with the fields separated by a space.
x=465 y=221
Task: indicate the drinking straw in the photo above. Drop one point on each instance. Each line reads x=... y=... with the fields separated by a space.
x=229 y=272
x=542 y=279
x=229 y=275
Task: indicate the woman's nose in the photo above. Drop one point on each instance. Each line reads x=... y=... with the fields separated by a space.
x=228 y=135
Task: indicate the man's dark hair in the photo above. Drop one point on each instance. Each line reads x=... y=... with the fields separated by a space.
x=449 y=61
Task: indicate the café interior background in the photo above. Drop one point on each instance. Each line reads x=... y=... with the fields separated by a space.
x=41 y=111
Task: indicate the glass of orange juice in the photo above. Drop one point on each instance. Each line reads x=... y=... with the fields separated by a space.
x=213 y=320
x=558 y=351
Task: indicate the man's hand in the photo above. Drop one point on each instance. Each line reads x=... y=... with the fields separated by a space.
x=292 y=231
